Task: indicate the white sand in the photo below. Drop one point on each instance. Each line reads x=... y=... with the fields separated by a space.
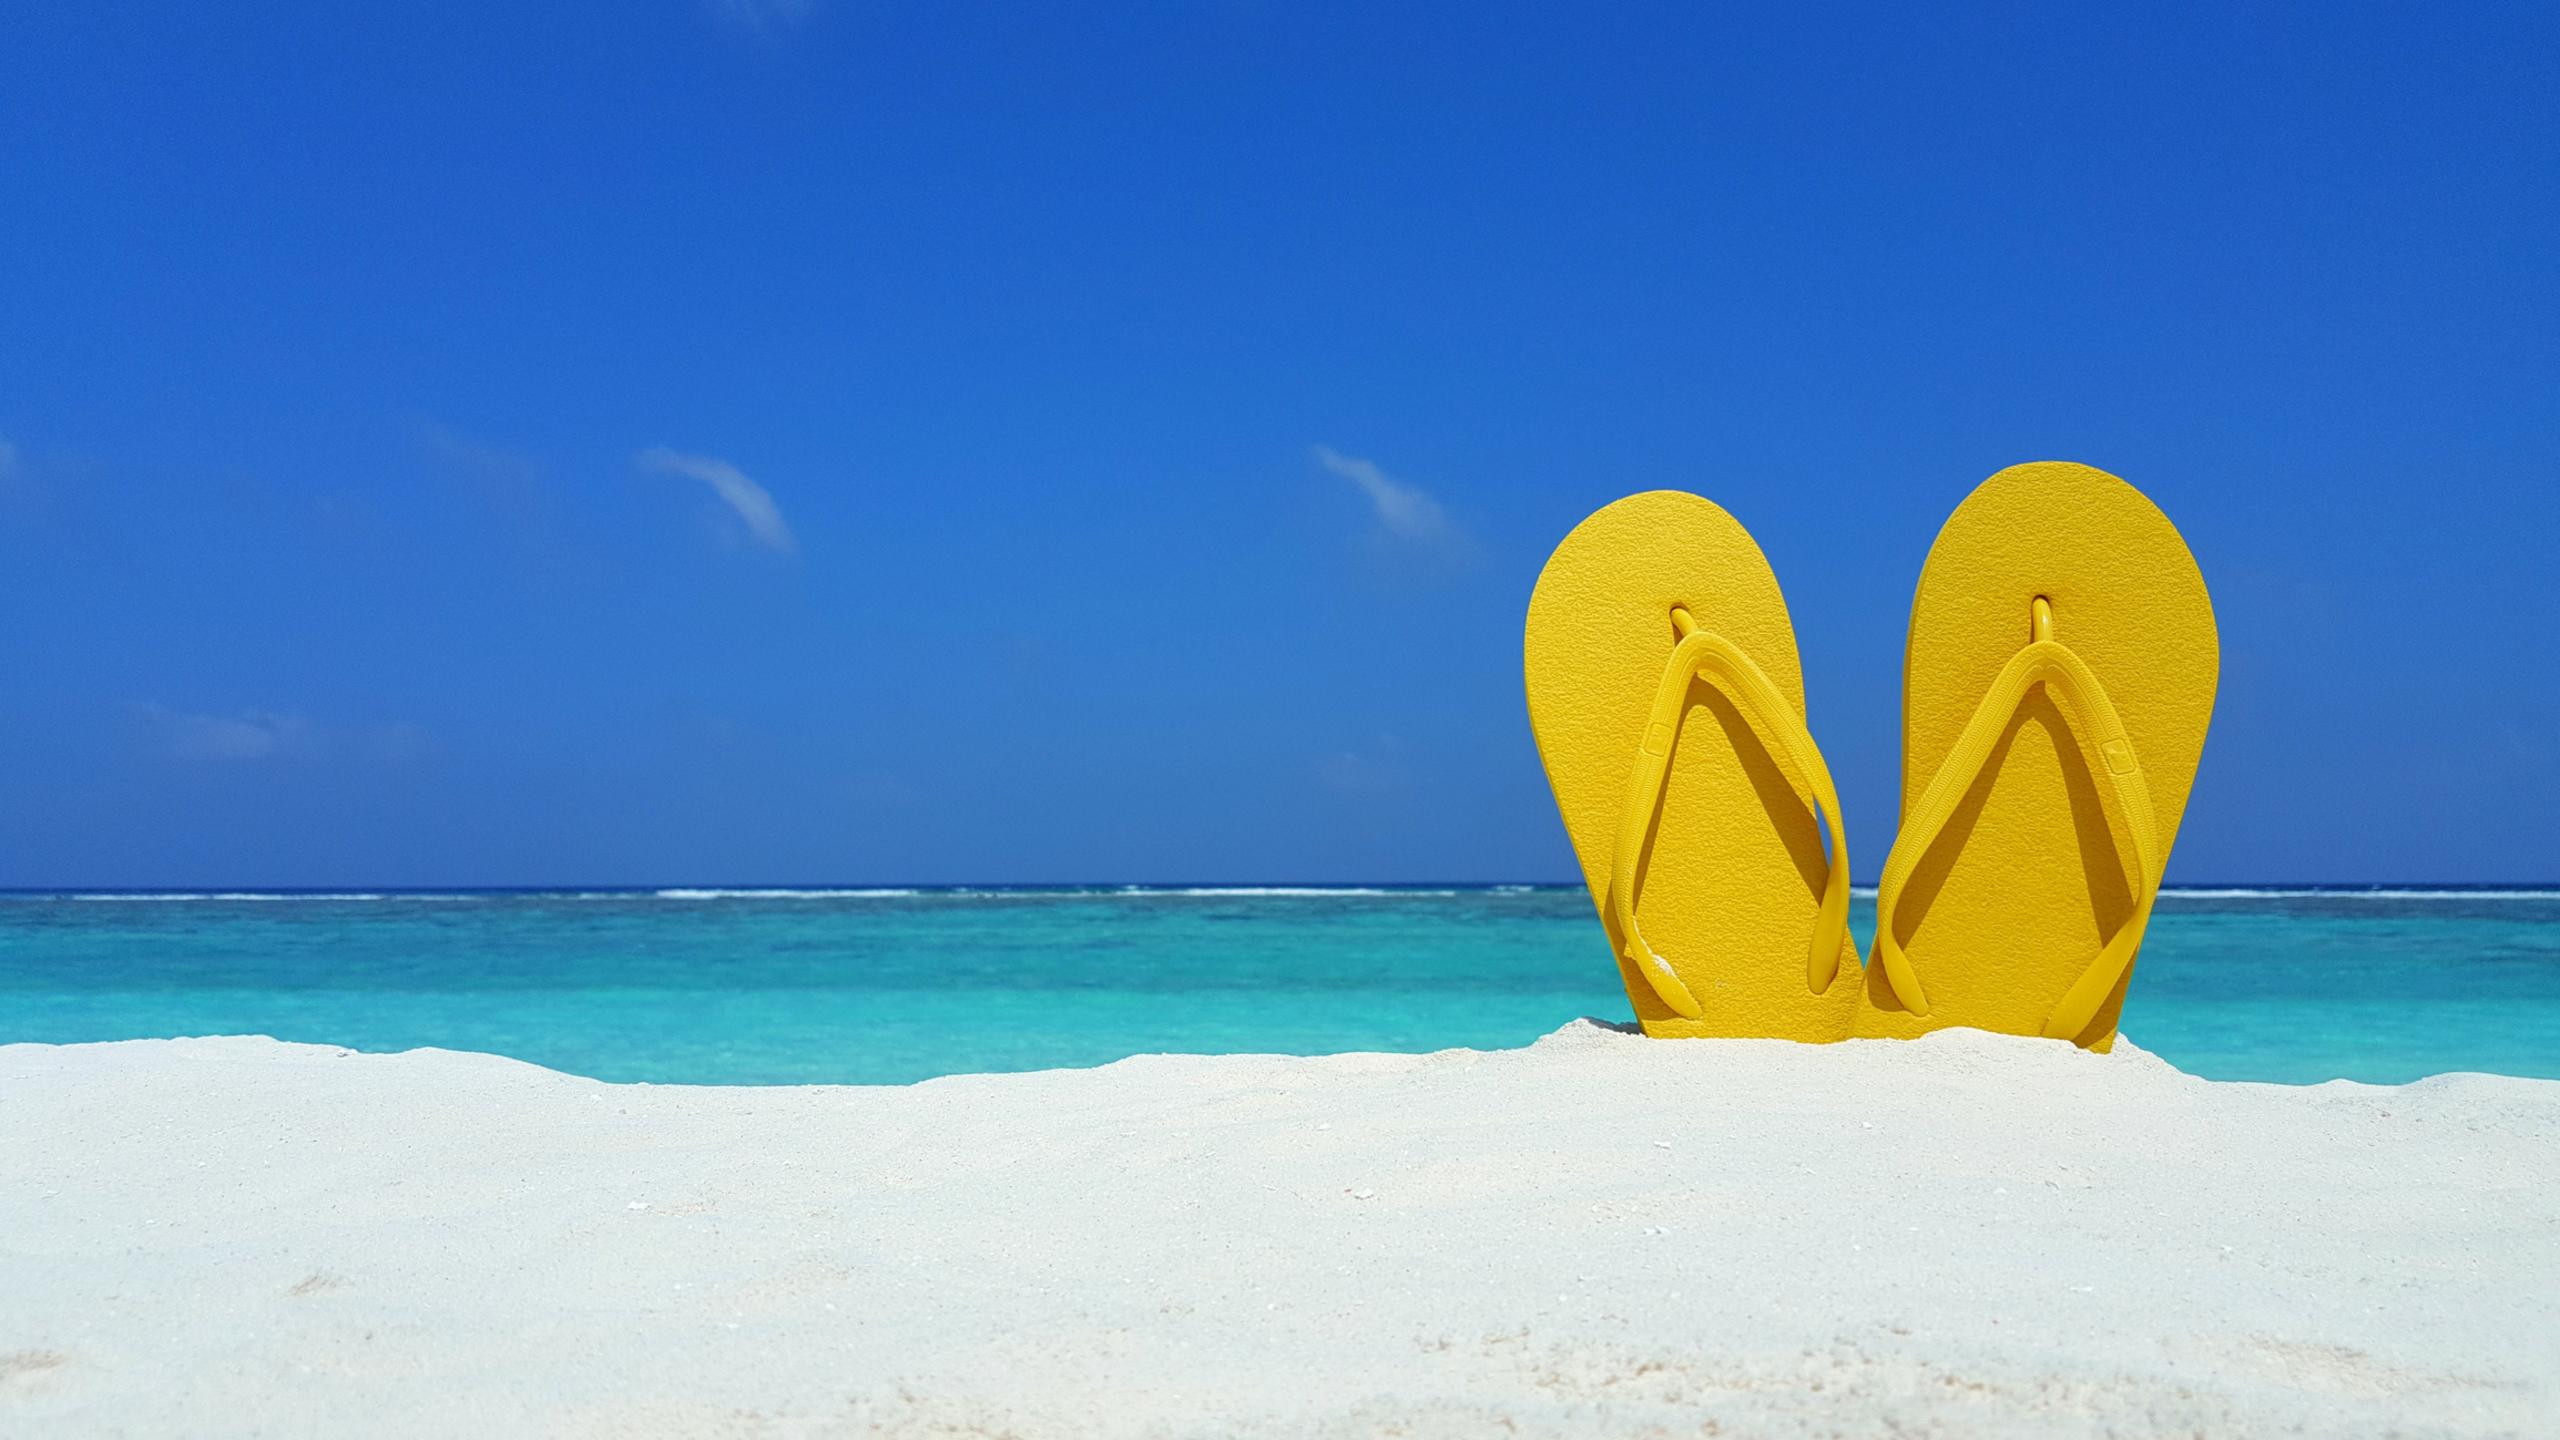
x=1596 y=1235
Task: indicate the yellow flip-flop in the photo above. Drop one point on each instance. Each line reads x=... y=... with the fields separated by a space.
x=1669 y=708
x=2055 y=694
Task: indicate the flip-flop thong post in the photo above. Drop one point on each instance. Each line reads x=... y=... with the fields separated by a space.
x=1669 y=709
x=2056 y=691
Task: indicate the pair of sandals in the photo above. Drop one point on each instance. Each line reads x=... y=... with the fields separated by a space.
x=2057 y=685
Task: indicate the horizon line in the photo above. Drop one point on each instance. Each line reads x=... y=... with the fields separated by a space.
x=707 y=889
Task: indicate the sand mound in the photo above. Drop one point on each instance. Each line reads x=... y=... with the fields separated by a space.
x=1595 y=1235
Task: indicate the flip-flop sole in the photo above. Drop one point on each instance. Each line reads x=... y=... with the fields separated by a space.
x=2029 y=879
x=1737 y=863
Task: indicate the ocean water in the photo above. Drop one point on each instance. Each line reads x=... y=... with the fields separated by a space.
x=883 y=986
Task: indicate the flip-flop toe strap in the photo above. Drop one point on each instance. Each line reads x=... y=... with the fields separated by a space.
x=1703 y=654
x=2101 y=735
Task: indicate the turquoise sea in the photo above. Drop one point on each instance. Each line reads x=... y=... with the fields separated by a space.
x=887 y=985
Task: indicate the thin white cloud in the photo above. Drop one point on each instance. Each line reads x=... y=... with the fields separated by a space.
x=248 y=735
x=8 y=458
x=1375 y=769
x=508 y=482
x=764 y=14
x=1403 y=510
x=488 y=462
x=754 y=507
x=252 y=736
x=399 y=741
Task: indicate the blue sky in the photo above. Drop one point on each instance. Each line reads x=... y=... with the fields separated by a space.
x=814 y=440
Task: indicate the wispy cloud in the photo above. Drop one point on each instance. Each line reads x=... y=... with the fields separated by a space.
x=508 y=481
x=753 y=506
x=399 y=741
x=8 y=458
x=1376 y=768
x=764 y=15
x=248 y=735
x=253 y=736
x=1404 y=511
x=486 y=462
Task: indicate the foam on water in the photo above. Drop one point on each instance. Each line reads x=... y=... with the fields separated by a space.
x=238 y=896
x=2355 y=892
x=776 y=894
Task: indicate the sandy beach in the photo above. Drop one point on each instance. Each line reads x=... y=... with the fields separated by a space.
x=1594 y=1235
